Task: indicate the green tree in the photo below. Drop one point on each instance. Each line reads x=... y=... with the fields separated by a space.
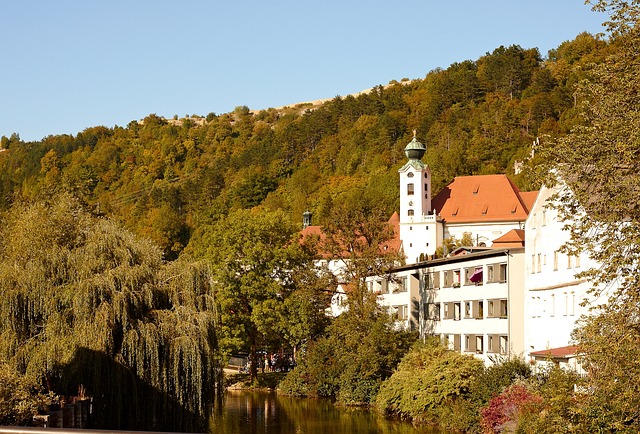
x=599 y=162
x=255 y=257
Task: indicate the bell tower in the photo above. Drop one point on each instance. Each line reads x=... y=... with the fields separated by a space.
x=420 y=229
x=415 y=183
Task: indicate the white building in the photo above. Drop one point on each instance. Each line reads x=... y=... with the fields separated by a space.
x=474 y=300
x=554 y=294
x=486 y=207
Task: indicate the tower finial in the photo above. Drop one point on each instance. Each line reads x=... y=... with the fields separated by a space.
x=414 y=134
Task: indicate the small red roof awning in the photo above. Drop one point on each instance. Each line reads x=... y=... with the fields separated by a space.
x=557 y=353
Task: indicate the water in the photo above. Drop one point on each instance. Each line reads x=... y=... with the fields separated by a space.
x=246 y=412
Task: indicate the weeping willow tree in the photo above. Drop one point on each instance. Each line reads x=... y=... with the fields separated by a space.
x=87 y=304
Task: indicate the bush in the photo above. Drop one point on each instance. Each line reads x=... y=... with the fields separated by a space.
x=505 y=410
x=429 y=379
x=350 y=363
x=20 y=399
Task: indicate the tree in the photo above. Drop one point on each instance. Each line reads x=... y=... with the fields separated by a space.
x=255 y=257
x=85 y=302
x=358 y=237
x=599 y=162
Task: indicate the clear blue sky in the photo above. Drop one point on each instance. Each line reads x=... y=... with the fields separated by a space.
x=71 y=64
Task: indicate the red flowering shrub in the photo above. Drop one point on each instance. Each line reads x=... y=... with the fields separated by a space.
x=505 y=409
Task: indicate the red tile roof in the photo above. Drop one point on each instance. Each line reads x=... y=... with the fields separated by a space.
x=513 y=238
x=482 y=198
x=557 y=353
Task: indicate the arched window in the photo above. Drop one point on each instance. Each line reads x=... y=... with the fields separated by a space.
x=410 y=189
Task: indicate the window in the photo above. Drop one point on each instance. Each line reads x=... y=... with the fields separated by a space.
x=432 y=280
x=497 y=308
x=401 y=312
x=533 y=264
x=402 y=286
x=479 y=346
x=478 y=309
x=410 y=213
x=473 y=276
x=555 y=261
x=572 y=304
x=504 y=344
x=456 y=311
x=503 y=273
x=432 y=311
x=539 y=263
x=410 y=189
x=456 y=342
x=467 y=309
x=448 y=278
x=503 y=309
x=447 y=309
x=410 y=175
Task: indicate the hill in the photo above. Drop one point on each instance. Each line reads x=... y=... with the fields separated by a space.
x=165 y=179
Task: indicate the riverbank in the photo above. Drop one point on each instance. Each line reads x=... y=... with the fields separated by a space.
x=267 y=381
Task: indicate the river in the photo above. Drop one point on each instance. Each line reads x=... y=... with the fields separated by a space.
x=247 y=412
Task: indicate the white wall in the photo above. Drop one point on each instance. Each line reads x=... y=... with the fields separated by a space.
x=553 y=292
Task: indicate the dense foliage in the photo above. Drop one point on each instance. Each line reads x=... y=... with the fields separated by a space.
x=86 y=301
x=87 y=304
x=267 y=289
x=599 y=163
x=20 y=397
x=429 y=380
x=360 y=350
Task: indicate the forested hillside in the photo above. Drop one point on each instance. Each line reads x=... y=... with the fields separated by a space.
x=165 y=178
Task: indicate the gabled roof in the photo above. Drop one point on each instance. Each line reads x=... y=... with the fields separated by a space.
x=482 y=198
x=513 y=238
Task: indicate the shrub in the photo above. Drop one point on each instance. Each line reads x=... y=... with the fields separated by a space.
x=20 y=399
x=505 y=409
x=429 y=379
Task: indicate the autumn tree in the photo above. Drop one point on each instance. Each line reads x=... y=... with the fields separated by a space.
x=359 y=238
x=599 y=161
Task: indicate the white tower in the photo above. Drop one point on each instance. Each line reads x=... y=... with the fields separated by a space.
x=420 y=230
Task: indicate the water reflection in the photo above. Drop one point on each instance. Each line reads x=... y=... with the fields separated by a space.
x=267 y=413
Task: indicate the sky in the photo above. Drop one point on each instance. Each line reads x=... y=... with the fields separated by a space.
x=68 y=65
